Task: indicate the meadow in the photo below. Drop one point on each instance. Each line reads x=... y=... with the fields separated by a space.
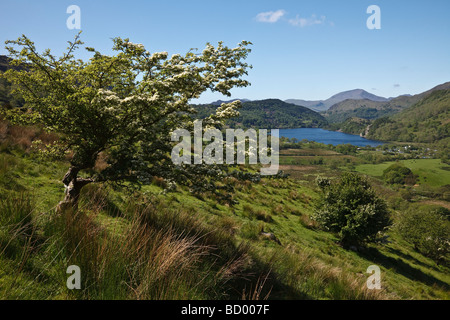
x=429 y=171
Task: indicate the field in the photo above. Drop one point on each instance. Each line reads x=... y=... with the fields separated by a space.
x=429 y=171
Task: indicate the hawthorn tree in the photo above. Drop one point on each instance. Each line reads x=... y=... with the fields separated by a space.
x=351 y=208
x=123 y=106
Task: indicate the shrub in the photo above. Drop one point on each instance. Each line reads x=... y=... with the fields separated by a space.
x=399 y=174
x=352 y=209
x=428 y=231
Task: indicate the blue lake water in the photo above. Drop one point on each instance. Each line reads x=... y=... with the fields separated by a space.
x=327 y=137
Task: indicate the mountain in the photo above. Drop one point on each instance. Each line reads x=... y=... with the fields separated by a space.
x=323 y=105
x=6 y=98
x=269 y=114
x=427 y=121
x=4 y=63
x=369 y=109
x=357 y=94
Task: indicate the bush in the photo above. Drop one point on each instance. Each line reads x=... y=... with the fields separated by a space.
x=428 y=231
x=399 y=174
x=352 y=209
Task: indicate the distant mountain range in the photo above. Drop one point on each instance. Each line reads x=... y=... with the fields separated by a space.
x=370 y=109
x=323 y=105
x=423 y=118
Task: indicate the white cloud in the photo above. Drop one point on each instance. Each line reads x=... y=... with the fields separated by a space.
x=270 y=16
x=304 y=22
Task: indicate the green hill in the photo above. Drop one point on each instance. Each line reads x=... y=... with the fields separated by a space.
x=355 y=125
x=427 y=121
x=371 y=110
x=158 y=245
x=270 y=114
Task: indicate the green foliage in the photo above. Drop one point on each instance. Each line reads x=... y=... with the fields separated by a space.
x=352 y=125
x=351 y=209
x=428 y=231
x=124 y=106
x=346 y=148
x=398 y=174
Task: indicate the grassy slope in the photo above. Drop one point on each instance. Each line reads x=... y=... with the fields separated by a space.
x=308 y=264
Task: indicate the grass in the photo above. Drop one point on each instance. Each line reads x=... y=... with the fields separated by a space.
x=176 y=246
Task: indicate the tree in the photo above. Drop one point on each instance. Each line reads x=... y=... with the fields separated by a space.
x=124 y=106
x=428 y=230
x=352 y=209
x=399 y=174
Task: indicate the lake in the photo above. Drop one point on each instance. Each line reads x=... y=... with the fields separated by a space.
x=328 y=137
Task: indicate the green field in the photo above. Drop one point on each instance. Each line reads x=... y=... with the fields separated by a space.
x=429 y=171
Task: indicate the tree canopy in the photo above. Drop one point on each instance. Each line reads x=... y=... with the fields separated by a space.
x=124 y=106
x=352 y=209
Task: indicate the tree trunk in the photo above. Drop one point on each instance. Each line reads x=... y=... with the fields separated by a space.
x=73 y=186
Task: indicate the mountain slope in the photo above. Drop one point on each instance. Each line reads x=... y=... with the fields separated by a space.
x=6 y=98
x=426 y=121
x=323 y=105
x=268 y=114
x=369 y=109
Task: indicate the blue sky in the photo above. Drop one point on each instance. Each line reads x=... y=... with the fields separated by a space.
x=301 y=49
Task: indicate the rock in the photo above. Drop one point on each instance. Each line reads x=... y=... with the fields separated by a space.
x=270 y=236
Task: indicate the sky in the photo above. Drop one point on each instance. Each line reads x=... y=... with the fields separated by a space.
x=302 y=49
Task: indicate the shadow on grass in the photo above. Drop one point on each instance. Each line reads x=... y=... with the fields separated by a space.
x=401 y=267
x=411 y=258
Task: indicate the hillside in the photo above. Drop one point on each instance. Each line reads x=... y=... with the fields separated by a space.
x=354 y=125
x=6 y=98
x=426 y=121
x=158 y=245
x=323 y=105
x=369 y=109
x=268 y=114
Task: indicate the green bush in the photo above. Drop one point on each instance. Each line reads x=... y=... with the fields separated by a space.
x=399 y=174
x=428 y=230
x=352 y=209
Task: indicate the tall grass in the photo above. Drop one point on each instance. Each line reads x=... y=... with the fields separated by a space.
x=17 y=239
x=16 y=226
x=155 y=253
x=317 y=280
